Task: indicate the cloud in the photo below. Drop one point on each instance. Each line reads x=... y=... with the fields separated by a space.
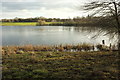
x=59 y=12
x=35 y=5
x=34 y=8
x=18 y=0
x=37 y=0
x=14 y=6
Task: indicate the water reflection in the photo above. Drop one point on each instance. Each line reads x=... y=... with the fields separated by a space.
x=52 y=35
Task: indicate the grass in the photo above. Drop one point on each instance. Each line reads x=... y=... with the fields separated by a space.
x=18 y=24
x=59 y=65
x=24 y=23
x=53 y=22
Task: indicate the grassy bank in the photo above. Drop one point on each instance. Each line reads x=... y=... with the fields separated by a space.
x=44 y=24
x=58 y=63
x=49 y=65
x=18 y=24
x=47 y=24
x=26 y=23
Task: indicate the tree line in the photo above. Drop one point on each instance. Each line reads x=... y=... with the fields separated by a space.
x=76 y=21
x=33 y=19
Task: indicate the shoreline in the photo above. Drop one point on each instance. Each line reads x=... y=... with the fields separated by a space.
x=45 y=24
x=55 y=48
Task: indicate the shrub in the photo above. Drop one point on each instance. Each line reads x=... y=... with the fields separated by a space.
x=41 y=23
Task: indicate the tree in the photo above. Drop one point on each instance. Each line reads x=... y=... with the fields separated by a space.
x=105 y=8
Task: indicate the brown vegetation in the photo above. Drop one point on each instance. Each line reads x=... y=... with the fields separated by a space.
x=59 y=48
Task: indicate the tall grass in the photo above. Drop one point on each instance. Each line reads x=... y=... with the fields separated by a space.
x=60 y=48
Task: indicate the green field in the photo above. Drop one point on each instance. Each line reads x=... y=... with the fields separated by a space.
x=18 y=24
x=24 y=23
x=101 y=65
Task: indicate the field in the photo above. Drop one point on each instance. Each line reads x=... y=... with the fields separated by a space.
x=18 y=23
x=24 y=23
x=51 y=65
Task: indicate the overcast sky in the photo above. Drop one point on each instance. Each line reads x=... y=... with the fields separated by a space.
x=45 y=8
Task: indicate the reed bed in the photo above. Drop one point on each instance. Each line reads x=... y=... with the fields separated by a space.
x=62 y=48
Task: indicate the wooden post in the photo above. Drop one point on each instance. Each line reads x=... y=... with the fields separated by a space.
x=110 y=47
x=103 y=42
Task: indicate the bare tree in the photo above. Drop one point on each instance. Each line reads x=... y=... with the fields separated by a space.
x=109 y=8
x=105 y=8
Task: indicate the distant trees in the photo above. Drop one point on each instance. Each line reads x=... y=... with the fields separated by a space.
x=33 y=19
x=76 y=21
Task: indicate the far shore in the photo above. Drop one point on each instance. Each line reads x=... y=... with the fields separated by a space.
x=18 y=23
x=47 y=24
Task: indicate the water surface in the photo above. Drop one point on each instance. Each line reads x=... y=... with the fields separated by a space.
x=51 y=35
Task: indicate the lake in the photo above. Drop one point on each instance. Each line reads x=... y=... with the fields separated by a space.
x=51 y=35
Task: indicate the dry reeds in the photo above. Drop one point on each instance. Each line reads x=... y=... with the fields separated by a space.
x=66 y=48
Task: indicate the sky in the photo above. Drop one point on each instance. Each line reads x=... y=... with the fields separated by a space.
x=46 y=8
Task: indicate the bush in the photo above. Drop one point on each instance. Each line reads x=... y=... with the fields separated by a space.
x=41 y=23
x=69 y=23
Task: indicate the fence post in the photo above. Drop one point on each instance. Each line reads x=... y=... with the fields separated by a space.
x=103 y=42
x=110 y=47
